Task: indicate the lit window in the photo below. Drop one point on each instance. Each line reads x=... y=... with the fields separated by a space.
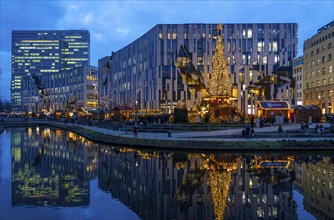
x=249 y=33
x=264 y=60
x=274 y=46
x=199 y=61
x=260 y=46
x=243 y=33
x=276 y=58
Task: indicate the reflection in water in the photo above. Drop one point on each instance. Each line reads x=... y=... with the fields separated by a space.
x=166 y=185
x=317 y=182
x=54 y=167
x=51 y=168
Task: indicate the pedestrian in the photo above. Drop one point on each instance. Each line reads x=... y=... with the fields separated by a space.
x=135 y=130
x=252 y=132
x=261 y=122
x=280 y=129
x=306 y=126
x=252 y=121
x=243 y=132
x=257 y=122
x=247 y=130
x=321 y=129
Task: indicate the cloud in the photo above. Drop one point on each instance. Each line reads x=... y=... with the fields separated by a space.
x=98 y=36
x=88 y=19
x=26 y=15
x=123 y=31
x=22 y=15
x=115 y=24
x=112 y=24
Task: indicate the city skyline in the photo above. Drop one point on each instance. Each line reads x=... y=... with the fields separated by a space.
x=115 y=24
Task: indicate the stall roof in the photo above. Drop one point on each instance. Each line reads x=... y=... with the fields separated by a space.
x=121 y=108
x=298 y=107
x=273 y=105
x=312 y=107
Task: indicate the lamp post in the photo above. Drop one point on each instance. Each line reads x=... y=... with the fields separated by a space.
x=244 y=103
x=209 y=116
x=136 y=114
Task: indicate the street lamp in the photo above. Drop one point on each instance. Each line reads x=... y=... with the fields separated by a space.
x=209 y=115
x=136 y=115
x=244 y=103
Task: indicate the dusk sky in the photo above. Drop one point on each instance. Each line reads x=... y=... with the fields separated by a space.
x=115 y=24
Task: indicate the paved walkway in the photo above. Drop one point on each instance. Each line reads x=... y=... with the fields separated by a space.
x=216 y=135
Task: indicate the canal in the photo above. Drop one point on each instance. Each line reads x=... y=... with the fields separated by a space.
x=49 y=173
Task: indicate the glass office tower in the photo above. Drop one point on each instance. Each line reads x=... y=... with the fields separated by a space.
x=36 y=52
x=78 y=83
x=144 y=71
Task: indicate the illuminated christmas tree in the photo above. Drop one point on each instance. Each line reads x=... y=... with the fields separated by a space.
x=220 y=79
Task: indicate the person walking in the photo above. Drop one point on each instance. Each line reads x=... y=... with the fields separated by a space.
x=252 y=133
x=306 y=127
x=135 y=130
x=280 y=129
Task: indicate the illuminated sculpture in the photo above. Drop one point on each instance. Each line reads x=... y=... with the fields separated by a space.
x=217 y=93
x=220 y=80
x=219 y=172
x=220 y=177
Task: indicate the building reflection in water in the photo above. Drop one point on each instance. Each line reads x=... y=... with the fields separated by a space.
x=51 y=167
x=317 y=185
x=171 y=185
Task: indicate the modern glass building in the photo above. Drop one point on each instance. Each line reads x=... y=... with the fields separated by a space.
x=104 y=97
x=144 y=71
x=43 y=52
x=73 y=88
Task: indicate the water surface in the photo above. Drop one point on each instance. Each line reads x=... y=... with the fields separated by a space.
x=48 y=173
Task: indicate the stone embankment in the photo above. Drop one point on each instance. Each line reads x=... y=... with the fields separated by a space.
x=267 y=139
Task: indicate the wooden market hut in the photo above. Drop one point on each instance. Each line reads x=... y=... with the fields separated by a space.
x=309 y=113
x=97 y=114
x=273 y=109
x=299 y=113
x=121 y=113
x=313 y=113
